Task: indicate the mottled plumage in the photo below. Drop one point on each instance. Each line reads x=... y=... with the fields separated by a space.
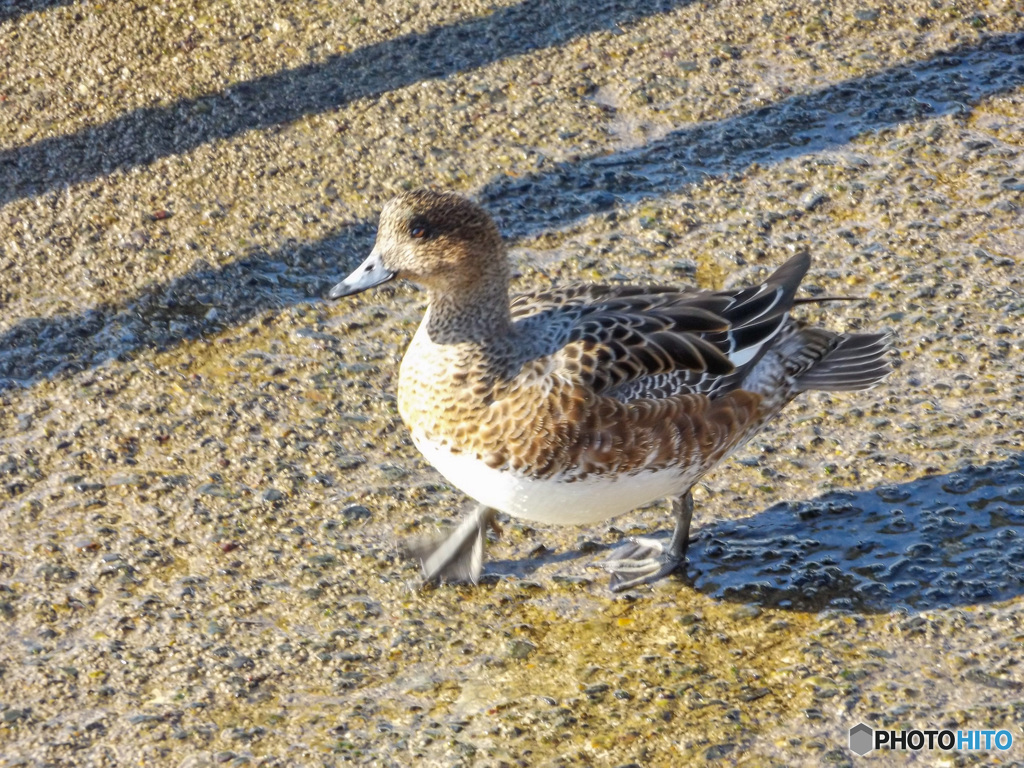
x=581 y=403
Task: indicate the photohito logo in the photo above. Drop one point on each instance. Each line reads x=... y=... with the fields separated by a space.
x=861 y=738
x=864 y=738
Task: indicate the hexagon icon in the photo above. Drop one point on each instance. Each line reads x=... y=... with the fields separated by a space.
x=862 y=738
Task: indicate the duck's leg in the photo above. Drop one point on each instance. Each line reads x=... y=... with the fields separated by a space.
x=641 y=561
x=457 y=554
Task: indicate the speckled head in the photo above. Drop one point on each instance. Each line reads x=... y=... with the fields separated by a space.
x=440 y=240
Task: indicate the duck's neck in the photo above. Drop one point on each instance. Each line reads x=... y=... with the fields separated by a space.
x=477 y=314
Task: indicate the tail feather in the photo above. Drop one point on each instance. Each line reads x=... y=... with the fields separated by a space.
x=858 y=361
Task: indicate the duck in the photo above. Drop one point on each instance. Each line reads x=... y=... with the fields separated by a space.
x=574 y=404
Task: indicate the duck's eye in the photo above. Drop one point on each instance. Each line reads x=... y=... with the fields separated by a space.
x=418 y=231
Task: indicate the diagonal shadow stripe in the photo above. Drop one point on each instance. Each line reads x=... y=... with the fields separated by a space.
x=166 y=313
x=832 y=116
x=144 y=135
x=12 y=9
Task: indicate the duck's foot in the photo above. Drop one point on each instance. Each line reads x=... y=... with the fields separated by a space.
x=643 y=561
x=455 y=555
x=640 y=561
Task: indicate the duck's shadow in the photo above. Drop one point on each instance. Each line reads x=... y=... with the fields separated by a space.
x=940 y=541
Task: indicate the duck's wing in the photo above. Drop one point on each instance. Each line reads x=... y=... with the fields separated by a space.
x=632 y=342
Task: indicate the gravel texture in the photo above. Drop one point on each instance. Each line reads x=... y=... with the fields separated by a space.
x=203 y=475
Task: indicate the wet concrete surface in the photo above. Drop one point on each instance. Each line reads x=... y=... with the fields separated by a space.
x=941 y=541
x=204 y=479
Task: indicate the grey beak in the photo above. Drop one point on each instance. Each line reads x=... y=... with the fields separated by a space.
x=368 y=274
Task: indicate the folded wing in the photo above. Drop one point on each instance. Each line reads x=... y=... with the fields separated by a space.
x=632 y=342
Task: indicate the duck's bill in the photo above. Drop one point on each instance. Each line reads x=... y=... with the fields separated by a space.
x=368 y=274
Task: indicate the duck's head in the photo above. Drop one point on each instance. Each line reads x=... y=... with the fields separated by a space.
x=440 y=240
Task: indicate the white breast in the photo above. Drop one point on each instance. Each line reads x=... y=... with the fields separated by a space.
x=550 y=500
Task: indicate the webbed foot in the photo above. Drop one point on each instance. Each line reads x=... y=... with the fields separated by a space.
x=640 y=561
x=455 y=555
x=643 y=561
